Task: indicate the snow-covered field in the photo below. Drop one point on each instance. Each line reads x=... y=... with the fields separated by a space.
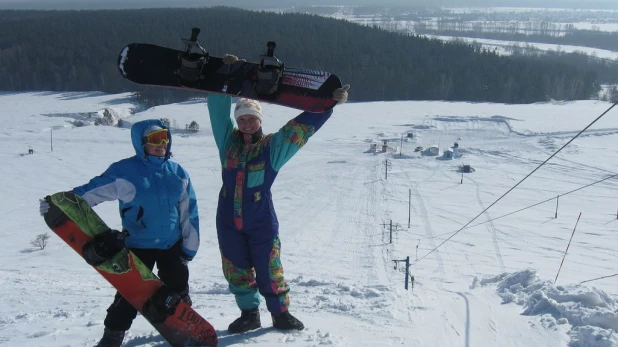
x=491 y=285
x=608 y=21
x=503 y=47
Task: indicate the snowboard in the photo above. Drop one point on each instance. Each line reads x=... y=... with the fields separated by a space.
x=71 y=218
x=195 y=69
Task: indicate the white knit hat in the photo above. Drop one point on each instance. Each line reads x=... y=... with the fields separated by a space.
x=248 y=106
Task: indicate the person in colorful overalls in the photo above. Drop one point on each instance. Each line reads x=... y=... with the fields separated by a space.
x=247 y=226
x=158 y=209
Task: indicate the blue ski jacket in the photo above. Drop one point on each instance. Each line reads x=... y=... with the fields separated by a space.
x=249 y=169
x=155 y=196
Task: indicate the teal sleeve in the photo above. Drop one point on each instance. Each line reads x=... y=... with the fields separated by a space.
x=220 y=120
x=293 y=136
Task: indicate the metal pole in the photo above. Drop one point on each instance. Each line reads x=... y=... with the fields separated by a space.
x=557 y=198
x=386 y=169
x=401 y=146
x=51 y=139
x=407 y=270
x=410 y=206
x=391 y=238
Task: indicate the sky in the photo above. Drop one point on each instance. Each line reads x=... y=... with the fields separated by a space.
x=492 y=284
x=98 y=4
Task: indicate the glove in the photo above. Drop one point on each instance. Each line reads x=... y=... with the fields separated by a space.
x=341 y=94
x=231 y=59
x=43 y=206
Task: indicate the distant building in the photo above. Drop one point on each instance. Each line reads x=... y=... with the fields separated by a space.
x=432 y=151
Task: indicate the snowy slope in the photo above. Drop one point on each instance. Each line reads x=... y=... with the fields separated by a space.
x=492 y=284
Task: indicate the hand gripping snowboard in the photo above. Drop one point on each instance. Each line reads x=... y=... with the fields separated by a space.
x=71 y=218
x=269 y=80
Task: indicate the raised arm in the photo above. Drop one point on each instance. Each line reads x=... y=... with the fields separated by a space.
x=220 y=120
x=286 y=142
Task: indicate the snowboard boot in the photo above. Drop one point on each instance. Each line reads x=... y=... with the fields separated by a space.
x=285 y=321
x=249 y=320
x=111 y=338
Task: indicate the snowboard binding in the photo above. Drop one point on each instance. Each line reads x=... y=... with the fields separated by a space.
x=161 y=305
x=269 y=73
x=191 y=64
x=103 y=246
x=54 y=217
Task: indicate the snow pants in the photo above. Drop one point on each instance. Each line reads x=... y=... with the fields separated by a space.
x=251 y=263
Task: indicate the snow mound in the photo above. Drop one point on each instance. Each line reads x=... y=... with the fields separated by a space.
x=592 y=313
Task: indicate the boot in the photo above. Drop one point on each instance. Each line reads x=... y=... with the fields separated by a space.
x=249 y=320
x=285 y=321
x=111 y=338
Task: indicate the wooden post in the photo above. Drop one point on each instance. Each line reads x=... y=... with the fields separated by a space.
x=51 y=139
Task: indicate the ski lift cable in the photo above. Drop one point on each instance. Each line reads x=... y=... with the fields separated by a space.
x=544 y=201
x=518 y=183
x=521 y=209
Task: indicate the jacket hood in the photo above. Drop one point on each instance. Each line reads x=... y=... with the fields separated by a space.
x=137 y=132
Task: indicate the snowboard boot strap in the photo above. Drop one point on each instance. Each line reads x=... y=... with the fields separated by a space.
x=191 y=68
x=54 y=217
x=268 y=78
x=161 y=305
x=103 y=246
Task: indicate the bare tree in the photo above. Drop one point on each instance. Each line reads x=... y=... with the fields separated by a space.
x=40 y=241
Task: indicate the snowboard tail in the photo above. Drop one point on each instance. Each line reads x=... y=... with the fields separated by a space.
x=74 y=221
x=269 y=80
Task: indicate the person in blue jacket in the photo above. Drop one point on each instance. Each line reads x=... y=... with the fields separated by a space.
x=247 y=226
x=158 y=209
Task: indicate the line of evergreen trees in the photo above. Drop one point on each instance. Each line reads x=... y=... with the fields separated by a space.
x=78 y=50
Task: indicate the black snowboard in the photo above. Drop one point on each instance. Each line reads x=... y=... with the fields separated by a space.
x=269 y=80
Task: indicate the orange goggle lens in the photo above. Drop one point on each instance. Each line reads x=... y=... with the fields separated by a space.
x=157 y=138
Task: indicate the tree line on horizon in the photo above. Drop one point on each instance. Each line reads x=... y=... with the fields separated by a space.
x=78 y=51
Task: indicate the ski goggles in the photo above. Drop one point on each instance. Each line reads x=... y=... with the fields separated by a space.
x=157 y=138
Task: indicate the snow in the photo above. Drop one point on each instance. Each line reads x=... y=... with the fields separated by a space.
x=503 y=46
x=491 y=284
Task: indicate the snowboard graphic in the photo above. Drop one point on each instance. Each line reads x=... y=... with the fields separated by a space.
x=269 y=80
x=71 y=218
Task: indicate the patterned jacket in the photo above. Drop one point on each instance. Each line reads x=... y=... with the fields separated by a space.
x=250 y=165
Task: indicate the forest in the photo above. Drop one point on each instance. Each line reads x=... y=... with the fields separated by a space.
x=78 y=50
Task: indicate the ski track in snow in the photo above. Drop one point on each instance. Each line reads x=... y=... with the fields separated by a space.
x=331 y=200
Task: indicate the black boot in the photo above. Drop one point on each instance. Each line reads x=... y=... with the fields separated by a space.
x=285 y=321
x=249 y=320
x=111 y=338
